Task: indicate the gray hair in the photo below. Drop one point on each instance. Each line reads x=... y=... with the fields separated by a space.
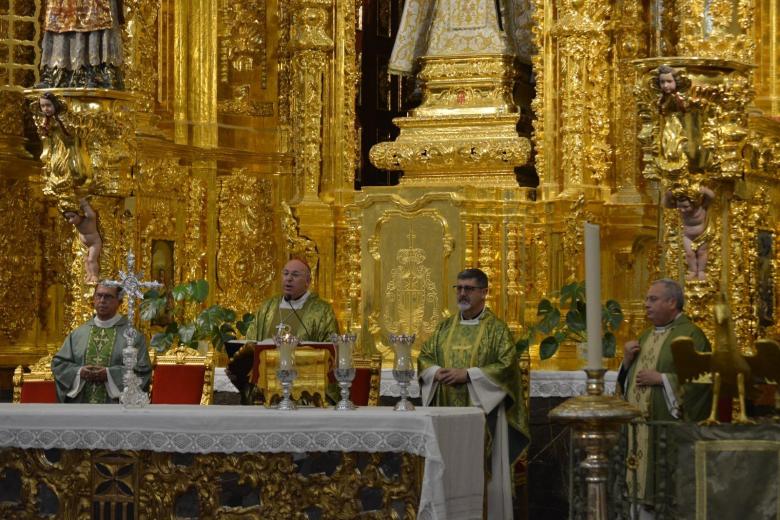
x=673 y=290
x=120 y=293
x=474 y=274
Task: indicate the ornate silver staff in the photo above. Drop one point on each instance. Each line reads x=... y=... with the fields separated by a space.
x=130 y=282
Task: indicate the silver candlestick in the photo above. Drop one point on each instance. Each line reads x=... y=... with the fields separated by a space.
x=403 y=368
x=129 y=282
x=345 y=369
x=286 y=372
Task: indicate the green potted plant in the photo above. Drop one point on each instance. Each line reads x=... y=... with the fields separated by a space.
x=557 y=327
x=216 y=324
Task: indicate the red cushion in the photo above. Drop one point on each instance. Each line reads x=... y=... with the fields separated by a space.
x=177 y=384
x=38 y=392
x=361 y=387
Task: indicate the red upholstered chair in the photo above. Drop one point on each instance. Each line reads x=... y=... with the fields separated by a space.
x=365 y=386
x=37 y=386
x=182 y=376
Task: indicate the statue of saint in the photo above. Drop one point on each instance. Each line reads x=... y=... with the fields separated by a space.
x=82 y=44
x=65 y=166
x=697 y=230
x=89 y=236
x=461 y=27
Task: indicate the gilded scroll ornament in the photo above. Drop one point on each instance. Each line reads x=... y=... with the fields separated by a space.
x=298 y=245
x=245 y=262
x=19 y=275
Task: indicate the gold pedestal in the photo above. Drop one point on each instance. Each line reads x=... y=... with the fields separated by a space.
x=595 y=419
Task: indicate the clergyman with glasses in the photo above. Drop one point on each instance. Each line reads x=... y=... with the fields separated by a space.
x=88 y=368
x=470 y=360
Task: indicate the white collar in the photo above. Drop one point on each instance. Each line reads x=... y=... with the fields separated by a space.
x=294 y=304
x=107 y=324
x=664 y=328
x=474 y=320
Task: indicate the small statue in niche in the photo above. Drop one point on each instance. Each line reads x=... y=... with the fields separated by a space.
x=672 y=105
x=89 y=236
x=697 y=230
x=64 y=162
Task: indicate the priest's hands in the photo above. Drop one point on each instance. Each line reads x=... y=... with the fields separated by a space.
x=452 y=376
x=649 y=378
x=94 y=374
x=630 y=350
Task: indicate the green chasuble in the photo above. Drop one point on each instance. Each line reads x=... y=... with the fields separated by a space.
x=487 y=346
x=93 y=345
x=314 y=321
x=656 y=353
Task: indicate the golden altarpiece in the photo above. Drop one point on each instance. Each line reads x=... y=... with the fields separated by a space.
x=234 y=146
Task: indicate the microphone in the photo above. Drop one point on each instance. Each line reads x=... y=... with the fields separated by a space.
x=289 y=300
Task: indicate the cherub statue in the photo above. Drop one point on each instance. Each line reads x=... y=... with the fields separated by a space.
x=89 y=236
x=697 y=231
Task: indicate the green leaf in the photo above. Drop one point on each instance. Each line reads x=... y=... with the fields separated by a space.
x=151 y=294
x=187 y=333
x=612 y=315
x=162 y=341
x=548 y=347
x=572 y=293
x=152 y=308
x=549 y=319
x=609 y=342
x=243 y=325
x=200 y=290
x=522 y=345
x=576 y=321
x=182 y=292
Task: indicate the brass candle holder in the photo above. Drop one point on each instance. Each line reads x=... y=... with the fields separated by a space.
x=595 y=419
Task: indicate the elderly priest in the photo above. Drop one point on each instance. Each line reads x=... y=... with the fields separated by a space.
x=88 y=368
x=470 y=360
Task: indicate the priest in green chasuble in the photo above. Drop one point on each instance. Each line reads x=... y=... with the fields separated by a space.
x=309 y=317
x=470 y=360
x=649 y=381
x=88 y=368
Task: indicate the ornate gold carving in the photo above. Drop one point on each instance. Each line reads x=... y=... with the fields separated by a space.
x=242 y=104
x=195 y=261
x=410 y=295
x=141 y=50
x=466 y=123
x=242 y=33
x=245 y=256
x=297 y=244
x=719 y=29
x=20 y=253
x=20 y=34
x=88 y=144
x=156 y=483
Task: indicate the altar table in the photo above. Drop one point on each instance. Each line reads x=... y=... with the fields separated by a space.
x=449 y=439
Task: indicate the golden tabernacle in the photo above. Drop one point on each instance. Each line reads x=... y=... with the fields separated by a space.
x=199 y=152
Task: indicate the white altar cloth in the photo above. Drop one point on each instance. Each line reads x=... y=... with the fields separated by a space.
x=450 y=439
x=544 y=383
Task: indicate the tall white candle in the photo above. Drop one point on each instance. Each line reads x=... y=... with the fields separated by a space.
x=593 y=294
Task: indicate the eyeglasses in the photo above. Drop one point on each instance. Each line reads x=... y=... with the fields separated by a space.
x=466 y=288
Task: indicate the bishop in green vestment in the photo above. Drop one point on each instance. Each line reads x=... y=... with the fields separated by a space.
x=470 y=360
x=308 y=317
x=88 y=367
x=649 y=381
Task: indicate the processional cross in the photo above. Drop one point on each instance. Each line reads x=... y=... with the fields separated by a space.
x=130 y=282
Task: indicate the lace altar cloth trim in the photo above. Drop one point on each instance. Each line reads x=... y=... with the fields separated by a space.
x=544 y=383
x=552 y=383
x=446 y=437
